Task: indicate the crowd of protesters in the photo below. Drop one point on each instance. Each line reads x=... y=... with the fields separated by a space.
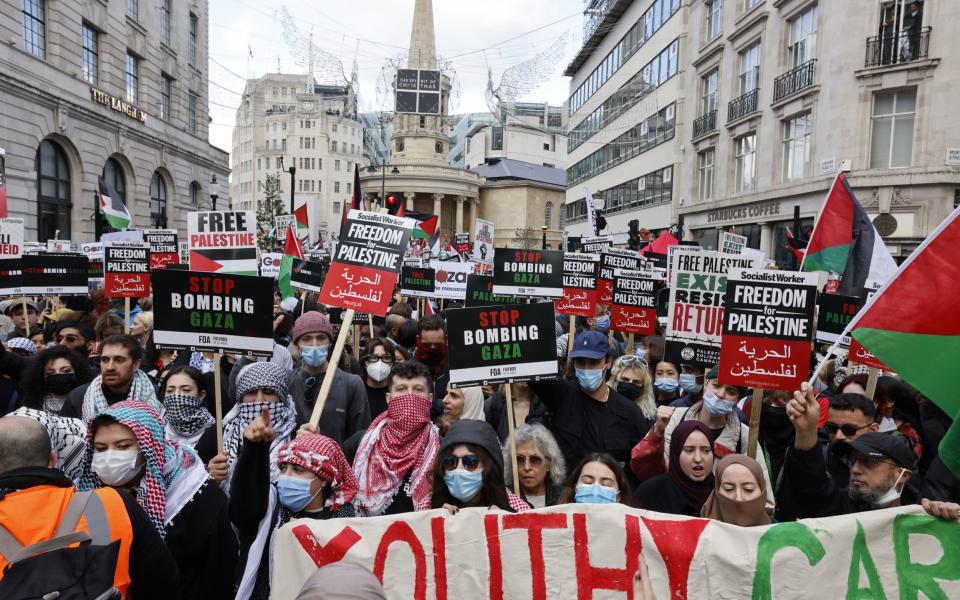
x=105 y=424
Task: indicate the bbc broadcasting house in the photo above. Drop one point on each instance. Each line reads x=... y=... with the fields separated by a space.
x=112 y=89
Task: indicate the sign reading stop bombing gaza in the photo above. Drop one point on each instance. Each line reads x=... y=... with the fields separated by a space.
x=537 y=273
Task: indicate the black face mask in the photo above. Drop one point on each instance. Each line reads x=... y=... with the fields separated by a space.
x=60 y=383
x=630 y=391
x=775 y=424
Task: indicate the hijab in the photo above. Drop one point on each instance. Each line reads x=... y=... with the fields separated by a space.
x=472 y=403
x=696 y=491
x=743 y=513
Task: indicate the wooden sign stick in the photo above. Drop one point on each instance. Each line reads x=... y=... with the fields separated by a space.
x=872 y=382
x=513 y=439
x=755 y=407
x=332 y=362
x=218 y=400
x=126 y=315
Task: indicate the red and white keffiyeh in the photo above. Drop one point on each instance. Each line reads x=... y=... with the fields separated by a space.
x=322 y=456
x=400 y=441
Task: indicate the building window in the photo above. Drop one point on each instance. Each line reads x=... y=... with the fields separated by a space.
x=194 y=194
x=268 y=162
x=803 y=37
x=133 y=78
x=158 y=201
x=891 y=145
x=746 y=5
x=165 y=21
x=335 y=208
x=796 y=147
x=496 y=138
x=336 y=166
x=750 y=68
x=333 y=146
x=192 y=111
x=53 y=192
x=548 y=215
x=336 y=187
x=34 y=28
x=91 y=52
x=746 y=162
x=113 y=175
x=334 y=128
x=714 y=18
x=192 y=49
x=166 y=85
x=706 y=159
x=708 y=84
x=133 y=8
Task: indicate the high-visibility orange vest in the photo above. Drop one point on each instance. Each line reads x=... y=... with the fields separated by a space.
x=33 y=515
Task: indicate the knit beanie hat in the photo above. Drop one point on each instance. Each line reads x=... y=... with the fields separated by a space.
x=311 y=322
x=262 y=375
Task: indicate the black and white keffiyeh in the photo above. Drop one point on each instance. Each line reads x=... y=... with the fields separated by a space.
x=186 y=415
x=68 y=438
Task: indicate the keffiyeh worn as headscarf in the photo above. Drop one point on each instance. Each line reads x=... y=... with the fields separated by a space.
x=399 y=441
x=323 y=457
x=141 y=390
x=748 y=513
x=68 y=438
x=261 y=375
x=172 y=473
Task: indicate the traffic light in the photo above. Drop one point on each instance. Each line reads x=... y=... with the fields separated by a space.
x=601 y=224
x=634 y=240
x=392 y=204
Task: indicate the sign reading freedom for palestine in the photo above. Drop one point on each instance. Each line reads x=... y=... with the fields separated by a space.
x=768 y=328
x=579 y=285
x=367 y=262
x=163 y=247
x=499 y=344
x=61 y=274
x=612 y=259
x=126 y=270
x=528 y=272
x=634 y=308
x=223 y=242
x=213 y=312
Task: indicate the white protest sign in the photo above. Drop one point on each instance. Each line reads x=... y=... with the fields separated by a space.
x=11 y=238
x=731 y=243
x=270 y=264
x=223 y=242
x=450 y=279
x=483 y=243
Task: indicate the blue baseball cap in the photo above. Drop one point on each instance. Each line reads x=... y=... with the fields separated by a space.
x=590 y=344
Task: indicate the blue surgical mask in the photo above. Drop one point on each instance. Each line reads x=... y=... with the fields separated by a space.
x=594 y=493
x=314 y=355
x=295 y=492
x=715 y=406
x=641 y=352
x=688 y=381
x=666 y=385
x=464 y=484
x=590 y=379
x=603 y=324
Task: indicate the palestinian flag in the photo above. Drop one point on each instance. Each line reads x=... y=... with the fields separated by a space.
x=796 y=246
x=427 y=227
x=357 y=200
x=112 y=206
x=912 y=324
x=844 y=241
x=235 y=261
x=291 y=250
x=303 y=222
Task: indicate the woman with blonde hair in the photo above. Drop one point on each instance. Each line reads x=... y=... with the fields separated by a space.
x=630 y=377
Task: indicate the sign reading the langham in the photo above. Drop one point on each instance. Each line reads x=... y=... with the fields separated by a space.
x=118 y=104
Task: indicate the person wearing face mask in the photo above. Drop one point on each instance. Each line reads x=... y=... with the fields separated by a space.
x=468 y=471
x=666 y=382
x=184 y=402
x=431 y=350
x=346 y=410
x=739 y=495
x=588 y=416
x=598 y=479
x=128 y=450
x=51 y=376
x=688 y=482
x=377 y=360
x=315 y=482
x=631 y=378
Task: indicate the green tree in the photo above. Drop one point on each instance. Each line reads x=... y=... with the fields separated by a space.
x=268 y=208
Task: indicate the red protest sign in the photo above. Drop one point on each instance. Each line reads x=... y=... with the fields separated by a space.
x=579 y=285
x=126 y=270
x=367 y=262
x=860 y=355
x=634 y=308
x=462 y=243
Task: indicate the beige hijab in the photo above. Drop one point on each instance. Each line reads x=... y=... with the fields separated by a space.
x=744 y=514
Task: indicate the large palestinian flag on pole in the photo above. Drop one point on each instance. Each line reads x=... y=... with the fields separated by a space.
x=844 y=241
x=913 y=325
x=112 y=205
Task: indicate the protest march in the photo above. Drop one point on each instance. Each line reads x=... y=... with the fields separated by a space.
x=378 y=420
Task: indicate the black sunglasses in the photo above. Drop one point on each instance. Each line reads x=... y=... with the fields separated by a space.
x=470 y=462
x=387 y=358
x=847 y=429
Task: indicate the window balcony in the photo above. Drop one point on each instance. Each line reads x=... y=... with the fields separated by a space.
x=744 y=105
x=794 y=80
x=705 y=124
x=908 y=46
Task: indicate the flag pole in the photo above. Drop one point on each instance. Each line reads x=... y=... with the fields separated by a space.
x=218 y=400
x=97 y=227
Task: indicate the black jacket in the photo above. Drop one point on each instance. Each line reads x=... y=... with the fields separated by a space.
x=495 y=410
x=153 y=572
x=346 y=410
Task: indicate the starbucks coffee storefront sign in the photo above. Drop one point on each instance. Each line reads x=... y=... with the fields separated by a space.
x=118 y=105
x=761 y=211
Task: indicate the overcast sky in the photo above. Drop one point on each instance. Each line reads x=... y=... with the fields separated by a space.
x=473 y=35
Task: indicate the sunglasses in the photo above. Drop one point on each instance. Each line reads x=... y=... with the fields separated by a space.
x=69 y=337
x=387 y=358
x=470 y=462
x=534 y=460
x=847 y=429
x=868 y=462
x=628 y=359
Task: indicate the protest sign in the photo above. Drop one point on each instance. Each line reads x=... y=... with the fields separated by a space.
x=579 y=285
x=34 y=247
x=480 y=293
x=483 y=243
x=307 y=275
x=336 y=317
x=462 y=243
x=497 y=344
x=451 y=279
x=270 y=264
x=671 y=250
x=94 y=253
x=595 y=245
x=834 y=312
x=126 y=270
x=11 y=276
x=767 y=328
x=125 y=235
x=417 y=282
x=612 y=259
x=634 y=308
x=58 y=246
x=860 y=355
x=695 y=313
x=282 y=222
x=11 y=238
x=528 y=272
x=212 y=312
x=731 y=243
x=63 y=274
x=584 y=551
x=366 y=265
x=223 y=242
x=163 y=247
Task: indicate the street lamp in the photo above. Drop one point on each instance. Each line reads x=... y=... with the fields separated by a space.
x=214 y=191
x=383 y=180
x=543 y=228
x=293 y=173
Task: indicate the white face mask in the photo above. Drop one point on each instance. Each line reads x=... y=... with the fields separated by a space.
x=378 y=371
x=891 y=494
x=116 y=467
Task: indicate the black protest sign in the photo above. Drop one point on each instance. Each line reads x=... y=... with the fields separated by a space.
x=63 y=274
x=595 y=245
x=480 y=293
x=417 y=282
x=359 y=318
x=580 y=291
x=835 y=311
x=499 y=344
x=212 y=312
x=126 y=268
x=611 y=260
x=528 y=272
x=634 y=306
x=307 y=275
x=11 y=276
x=163 y=247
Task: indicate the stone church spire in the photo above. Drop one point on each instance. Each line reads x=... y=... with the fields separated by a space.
x=423 y=45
